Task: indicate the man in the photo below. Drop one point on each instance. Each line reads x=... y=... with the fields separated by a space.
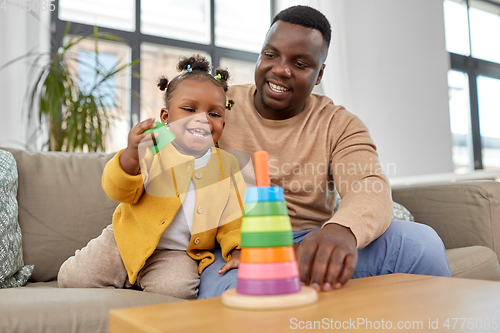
x=314 y=145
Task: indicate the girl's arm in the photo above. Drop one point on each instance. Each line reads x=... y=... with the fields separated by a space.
x=137 y=139
x=121 y=179
x=118 y=184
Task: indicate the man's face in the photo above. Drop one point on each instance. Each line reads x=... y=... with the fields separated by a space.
x=289 y=65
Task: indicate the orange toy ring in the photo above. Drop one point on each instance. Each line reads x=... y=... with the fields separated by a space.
x=267 y=254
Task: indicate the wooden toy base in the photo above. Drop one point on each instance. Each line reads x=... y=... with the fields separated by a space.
x=305 y=296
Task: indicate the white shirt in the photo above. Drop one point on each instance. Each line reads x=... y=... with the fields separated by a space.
x=178 y=233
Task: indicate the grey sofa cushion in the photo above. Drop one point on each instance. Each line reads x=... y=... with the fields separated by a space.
x=61 y=206
x=13 y=273
x=465 y=213
x=474 y=262
x=44 y=309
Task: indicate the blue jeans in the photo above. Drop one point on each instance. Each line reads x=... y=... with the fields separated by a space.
x=406 y=247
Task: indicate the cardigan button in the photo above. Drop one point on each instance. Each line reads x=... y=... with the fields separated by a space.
x=200 y=210
x=197 y=241
x=198 y=175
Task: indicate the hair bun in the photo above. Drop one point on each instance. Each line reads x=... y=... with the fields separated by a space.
x=162 y=83
x=197 y=63
x=224 y=76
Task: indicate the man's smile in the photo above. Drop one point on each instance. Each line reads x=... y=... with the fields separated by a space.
x=277 y=88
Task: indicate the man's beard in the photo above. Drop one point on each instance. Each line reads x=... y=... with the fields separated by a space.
x=267 y=107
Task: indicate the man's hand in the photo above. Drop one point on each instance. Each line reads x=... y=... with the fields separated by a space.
x=327 y=257
x=234 y=262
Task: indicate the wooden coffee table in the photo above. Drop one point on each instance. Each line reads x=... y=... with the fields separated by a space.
x=389 y=302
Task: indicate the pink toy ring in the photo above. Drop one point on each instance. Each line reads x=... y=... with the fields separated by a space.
x=268 y=271
x=268 y=287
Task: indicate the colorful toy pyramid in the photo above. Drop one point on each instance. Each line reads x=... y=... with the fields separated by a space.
x=268 y=275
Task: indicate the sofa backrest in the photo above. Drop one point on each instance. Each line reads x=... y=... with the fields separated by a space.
x=464 y=213
x=62 y=206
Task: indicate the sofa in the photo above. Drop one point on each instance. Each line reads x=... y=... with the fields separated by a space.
x=466 y=215
x=62 y=206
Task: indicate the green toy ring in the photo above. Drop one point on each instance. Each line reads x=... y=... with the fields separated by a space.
x=266 y=239
x=265 y=208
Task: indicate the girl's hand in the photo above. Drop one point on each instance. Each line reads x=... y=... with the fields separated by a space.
x=232 y=263
x=129 y=159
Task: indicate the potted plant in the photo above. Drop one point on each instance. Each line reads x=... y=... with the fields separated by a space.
x=78 y=119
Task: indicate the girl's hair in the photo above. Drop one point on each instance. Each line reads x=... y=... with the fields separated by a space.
x=195 y=67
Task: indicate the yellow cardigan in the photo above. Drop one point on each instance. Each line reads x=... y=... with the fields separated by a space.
x=143 y=215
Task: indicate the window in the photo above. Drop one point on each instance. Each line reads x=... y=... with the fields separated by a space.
x=489 y=120
x=459 y=119
x=242 y=32
x=182 y=20
x=230 y=33
x=157 y=61
x=117 y=14
x=116 y=90
x=472 y=33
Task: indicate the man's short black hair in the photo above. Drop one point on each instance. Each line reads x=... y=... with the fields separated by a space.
x=307 y=17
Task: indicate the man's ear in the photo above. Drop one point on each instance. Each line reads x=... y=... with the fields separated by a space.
x=320 y=74
x=164 y=115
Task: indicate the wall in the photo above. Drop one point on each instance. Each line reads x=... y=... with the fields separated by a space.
x=388 y=64
x=20 y=32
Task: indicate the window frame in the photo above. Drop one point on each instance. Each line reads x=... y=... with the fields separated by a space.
x=475 y=67
x=135 y=38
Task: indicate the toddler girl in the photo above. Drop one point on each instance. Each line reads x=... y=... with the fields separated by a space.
x=176 y=205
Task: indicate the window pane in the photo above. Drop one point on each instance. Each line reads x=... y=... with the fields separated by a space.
x=241 y=72
x=489 y=120
x=87 y=75
x=460 y=120
x=242 y=25
x=116 y=90
x=177 y=19
x=456 y=27
x=117 y=14
x=157 y=61
x=485 y=35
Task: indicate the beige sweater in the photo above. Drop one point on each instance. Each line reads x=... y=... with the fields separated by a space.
x=309 y=153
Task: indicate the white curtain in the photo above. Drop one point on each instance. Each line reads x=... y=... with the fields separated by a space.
x=21 y=31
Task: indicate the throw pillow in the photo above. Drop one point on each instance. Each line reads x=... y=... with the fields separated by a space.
x=399 y=212
x=13 y=273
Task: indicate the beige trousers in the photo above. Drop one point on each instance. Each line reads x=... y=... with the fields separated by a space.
x=99 y=265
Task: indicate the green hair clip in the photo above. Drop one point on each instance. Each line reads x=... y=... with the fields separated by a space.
x=218 y=77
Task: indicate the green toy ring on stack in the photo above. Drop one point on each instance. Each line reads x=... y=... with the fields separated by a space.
x=267 y=239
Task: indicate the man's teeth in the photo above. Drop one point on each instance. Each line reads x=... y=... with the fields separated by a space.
x=276 y=88
x=198 y=132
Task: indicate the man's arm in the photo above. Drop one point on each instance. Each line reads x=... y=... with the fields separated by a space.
x=327 y=257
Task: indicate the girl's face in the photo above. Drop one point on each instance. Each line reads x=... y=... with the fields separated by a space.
x=195 y=114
